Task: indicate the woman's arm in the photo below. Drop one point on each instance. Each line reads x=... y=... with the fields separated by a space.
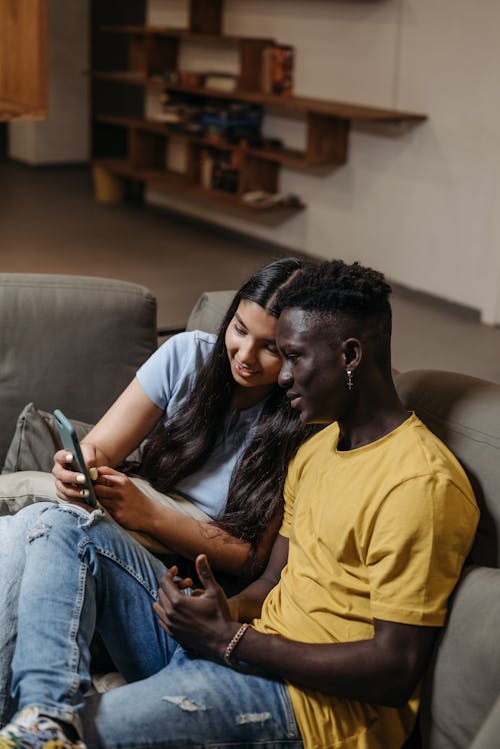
x=225 y=552
x=182 y=534
x=122 y=428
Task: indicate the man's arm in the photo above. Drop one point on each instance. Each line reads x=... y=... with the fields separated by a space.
x=210 y=611
x=247 y=605
x=382 y=670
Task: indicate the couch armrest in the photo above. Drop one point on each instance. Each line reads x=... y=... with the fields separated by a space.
x=69 y=342
x=209 y=310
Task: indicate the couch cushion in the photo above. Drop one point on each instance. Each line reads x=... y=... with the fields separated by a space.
x=465 y=413
x=35 y=441
x=465 y=681
x=209 y=310
x=69 y=342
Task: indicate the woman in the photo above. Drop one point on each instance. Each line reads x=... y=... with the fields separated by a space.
x=215 y=403
x=221 y=451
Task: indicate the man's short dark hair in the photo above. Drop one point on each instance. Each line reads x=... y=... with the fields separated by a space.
x=355 y=299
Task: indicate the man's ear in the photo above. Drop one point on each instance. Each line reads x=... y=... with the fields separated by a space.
x=352 y=351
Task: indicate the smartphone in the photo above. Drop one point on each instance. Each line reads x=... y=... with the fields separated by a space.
x=71 y=443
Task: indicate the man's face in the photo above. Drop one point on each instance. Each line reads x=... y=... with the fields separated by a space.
x=313 y=370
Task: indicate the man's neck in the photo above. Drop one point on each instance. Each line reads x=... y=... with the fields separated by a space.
x=371 y=418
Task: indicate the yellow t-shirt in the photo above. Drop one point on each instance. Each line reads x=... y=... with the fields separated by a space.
x=379 y=532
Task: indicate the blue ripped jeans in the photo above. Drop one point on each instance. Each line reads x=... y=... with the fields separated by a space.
x=13 y=531
x=83 y=573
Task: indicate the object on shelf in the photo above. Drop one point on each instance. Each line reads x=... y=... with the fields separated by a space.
x=225 y=171
x=186 y=78
x=257 y=141
x=182 y=111
x=232 y=121
x=227 y=82
x=221 y=81
x=177 y=156
x=206 y=167
x=263 y=199
x=108 y=188
x=219 y=120
x=277 y=70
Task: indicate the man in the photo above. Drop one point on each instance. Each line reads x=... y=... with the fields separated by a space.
x=378 y=520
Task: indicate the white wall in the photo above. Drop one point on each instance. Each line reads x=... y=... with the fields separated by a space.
x=64 y=136
x=422 y=206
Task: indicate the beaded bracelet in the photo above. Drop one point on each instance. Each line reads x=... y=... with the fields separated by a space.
x=233 y=642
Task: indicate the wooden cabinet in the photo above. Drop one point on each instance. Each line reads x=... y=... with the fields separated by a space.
x=23 y=59
x=129 y=145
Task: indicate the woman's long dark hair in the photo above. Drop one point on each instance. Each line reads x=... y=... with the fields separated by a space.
x=182 y=445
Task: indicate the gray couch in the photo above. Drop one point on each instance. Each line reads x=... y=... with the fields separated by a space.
x=69 y=342
x=89 y=335
x=461 y=695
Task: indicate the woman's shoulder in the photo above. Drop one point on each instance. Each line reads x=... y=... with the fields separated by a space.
x=193 y=343
x=171 y=371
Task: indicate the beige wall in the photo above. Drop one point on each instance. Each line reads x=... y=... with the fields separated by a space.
x=423 y=206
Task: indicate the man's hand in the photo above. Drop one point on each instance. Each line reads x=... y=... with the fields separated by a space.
x=200 y=622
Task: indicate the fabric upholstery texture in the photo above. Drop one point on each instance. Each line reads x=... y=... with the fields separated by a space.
x=69 y=342
x=465 y=681
x=488 y=736
x=209 y=310
x=464 y=412
x=36 y=440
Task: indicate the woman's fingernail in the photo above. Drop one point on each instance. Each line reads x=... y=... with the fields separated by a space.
x=94 y=473
x=84 y=492
x=68 y=457
x=80 y=478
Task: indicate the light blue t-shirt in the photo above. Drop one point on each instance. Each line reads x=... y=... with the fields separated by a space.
x=167 y=378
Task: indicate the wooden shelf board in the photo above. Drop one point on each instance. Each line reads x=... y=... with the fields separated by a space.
x=178 y=33
x=329 y=108
x=301 y=104
x=176 y=183
x=170 y=181
x=139 y=123
x=286 y=156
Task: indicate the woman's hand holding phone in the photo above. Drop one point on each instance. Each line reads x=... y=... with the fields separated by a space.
x=74 y=472
x=70 y=483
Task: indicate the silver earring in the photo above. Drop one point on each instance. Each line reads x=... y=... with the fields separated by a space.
x=350 y=383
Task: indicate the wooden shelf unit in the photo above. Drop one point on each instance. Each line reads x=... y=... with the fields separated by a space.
x=152 y=51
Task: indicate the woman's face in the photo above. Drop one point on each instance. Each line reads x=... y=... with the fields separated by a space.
x=251 y=346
